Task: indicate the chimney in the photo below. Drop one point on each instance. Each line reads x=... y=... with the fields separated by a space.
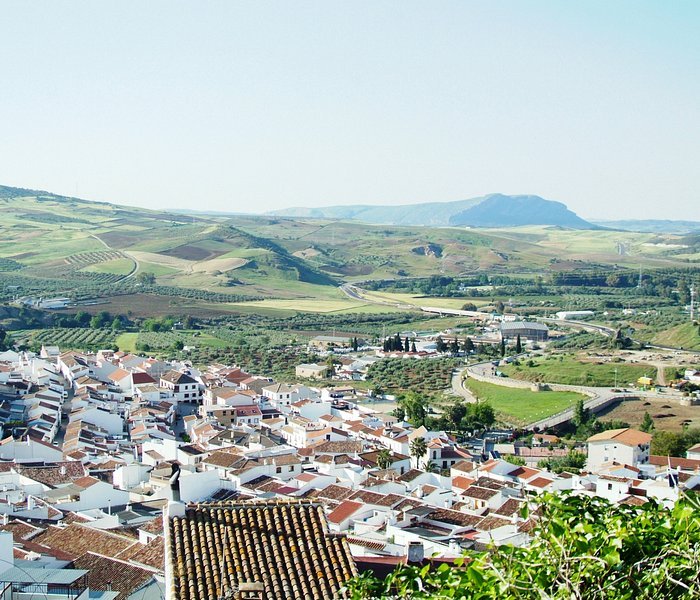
x=251 y=590
x=415 y=552
x=175 y=482
x=62 y=470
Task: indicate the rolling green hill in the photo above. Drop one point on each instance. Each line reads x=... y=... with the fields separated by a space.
x=54 y=246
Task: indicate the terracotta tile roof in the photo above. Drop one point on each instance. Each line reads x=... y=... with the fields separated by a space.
x=107 y=573
x=75 y=540
x=633 y=501
x=540 y=482
x=54 y=474
x=118 y=375
x=177 y=378
x=154 y=526
x=411 y=474
x=509 y=508
x=492 y=484
x=283 y=545
x=333 y=492
x=368 y=497
x=409 y=503
x=454 y=517
x=151 y=554
x=72 y=517
x=344 y=447
x=223 y=458
x=489 y=523
x=375 y=545
x=524 y=473
x=344 y=510
x=86 y=482
x=479 y=493
x=683 y=463
x=630 y=437
x=21 y=530
x=141 y=378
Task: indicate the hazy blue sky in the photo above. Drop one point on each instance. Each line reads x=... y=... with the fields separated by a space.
x=251 y=106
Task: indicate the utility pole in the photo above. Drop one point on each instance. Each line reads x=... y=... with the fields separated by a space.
x=692 y=302
x=640 y=277
x=615 y=377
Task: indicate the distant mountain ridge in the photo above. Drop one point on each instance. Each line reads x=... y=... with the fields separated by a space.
x=492 y=210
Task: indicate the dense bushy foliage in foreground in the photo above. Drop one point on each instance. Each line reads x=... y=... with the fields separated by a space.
x=583 y=548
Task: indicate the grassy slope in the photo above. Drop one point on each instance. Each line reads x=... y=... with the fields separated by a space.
x=568 y=370
x=521 y=406
x=685 y=336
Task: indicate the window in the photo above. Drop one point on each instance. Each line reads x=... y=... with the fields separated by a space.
x=610 y=487
x=278 y=470
x=291 y=467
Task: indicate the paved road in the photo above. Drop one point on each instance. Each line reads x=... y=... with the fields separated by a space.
x=129 y=256
x=458 y=388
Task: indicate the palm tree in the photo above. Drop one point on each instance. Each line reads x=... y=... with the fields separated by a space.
x=419 y=448
x=430 y=467
x=384 y=459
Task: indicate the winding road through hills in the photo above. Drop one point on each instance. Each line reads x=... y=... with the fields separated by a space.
x=133 y=271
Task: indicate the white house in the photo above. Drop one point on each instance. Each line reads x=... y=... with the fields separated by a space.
x=625 y=446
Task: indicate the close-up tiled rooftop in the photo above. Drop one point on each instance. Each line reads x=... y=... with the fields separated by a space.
x=284 y=545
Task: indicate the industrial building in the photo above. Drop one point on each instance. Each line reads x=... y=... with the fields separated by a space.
x=527 y=330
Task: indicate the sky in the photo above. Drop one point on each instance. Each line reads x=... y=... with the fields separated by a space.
x=254 y=106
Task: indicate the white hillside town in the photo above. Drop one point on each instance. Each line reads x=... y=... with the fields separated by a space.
x=104 y=456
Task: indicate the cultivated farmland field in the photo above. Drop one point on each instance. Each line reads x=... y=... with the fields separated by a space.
x=69 y=338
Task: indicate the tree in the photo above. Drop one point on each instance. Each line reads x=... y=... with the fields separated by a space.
x=146 y=278
x=581 y=414
x=514 y=460
x=573 y=462
x=518 y=345
x=647 y=423
x=406 y=345
x=413 y=346
x=430 y=467
x=583 y=547
x=669 y=443
x=503 y=347
x=440 y=344
x=480 y=415
x=415 y=407
x=453 y=415
x=5 y=340
x=117 y=323
x=384 y=459
x=178 y=345
x=469 y=306
x=454 y=347
x=419 y=448
x=468 y=345
x=499 y=306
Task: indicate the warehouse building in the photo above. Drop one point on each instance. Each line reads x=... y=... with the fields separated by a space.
x=527 y=330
